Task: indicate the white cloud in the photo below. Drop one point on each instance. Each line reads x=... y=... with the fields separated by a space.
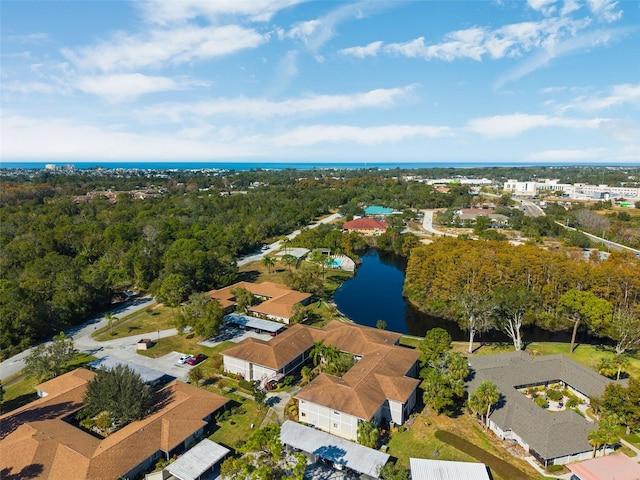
x=63 y=139
x=313 y=134
x=30 y=38
x=474 y=43
x=28 y=88
x=502 y=126
x=572 y=45
x=163 y=12
x=619 y=95
x=260 y=108
x=315 y=33
x=622 y=130
x=605 y=10
x=546 y=7
x=177 y=45
x=119 y=88
x=370 y=50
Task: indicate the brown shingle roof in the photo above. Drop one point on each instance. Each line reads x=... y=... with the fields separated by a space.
x=280 y=298
x=378 y=375
x=37 y=436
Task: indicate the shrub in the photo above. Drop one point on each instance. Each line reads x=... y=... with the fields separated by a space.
x=245 y=385
x=572 y=402
x=541 y=402
x=287 y=381
x=554 y=468
x=555 y=395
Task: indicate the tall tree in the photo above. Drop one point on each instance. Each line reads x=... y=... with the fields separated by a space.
x=481 y=401
x=110 y=317
x=203 y=314
x=50 y=360
x=581 y=306
x=436 y=342
x=511 y=305
x=243 y=297
x=475 y=314
x=268 y=262
x=605 y=434
x=119 y=391
x=289 y=260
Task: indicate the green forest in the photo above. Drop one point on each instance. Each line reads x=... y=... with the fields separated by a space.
x=66 y=255
x=63 y=259
x=462 y=279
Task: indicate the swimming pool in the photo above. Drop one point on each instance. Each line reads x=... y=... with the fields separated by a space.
x=335 y=262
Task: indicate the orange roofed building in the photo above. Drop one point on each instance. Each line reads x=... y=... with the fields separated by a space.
x=380 y=386
x=38 y=441
x=366 y=226
x=278 y=300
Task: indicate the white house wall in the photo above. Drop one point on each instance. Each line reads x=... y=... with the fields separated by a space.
x=249 y=371
x=329 y=420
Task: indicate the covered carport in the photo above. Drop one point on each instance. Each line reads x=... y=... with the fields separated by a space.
x=341 y=453
x=199 y=462
x=257 y=324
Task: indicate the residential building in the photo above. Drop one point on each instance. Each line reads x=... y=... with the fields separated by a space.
x=553 y=438
x=381 y=386
x=277 y=300
x=41 y=439
x=366 y=226
x=609 y=467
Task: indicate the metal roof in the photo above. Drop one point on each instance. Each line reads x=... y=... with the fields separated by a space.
x=423 y=469
x=610 y=467
x=253 y=322
x=196 y=461
x=148 y=375
x=337 y=450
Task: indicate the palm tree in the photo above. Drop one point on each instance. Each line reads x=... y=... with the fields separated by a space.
x=368 y=434
x=484 y=398
x=285 y=242
x=110 y=318
x=621 y=362
x=289 y=260
x=268 y=262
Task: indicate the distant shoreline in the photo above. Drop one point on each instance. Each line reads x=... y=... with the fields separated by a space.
x=244 y=166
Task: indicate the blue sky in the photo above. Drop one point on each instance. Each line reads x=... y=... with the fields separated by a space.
x=537 y=81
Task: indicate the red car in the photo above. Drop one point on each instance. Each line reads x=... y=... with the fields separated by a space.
x=196 y=359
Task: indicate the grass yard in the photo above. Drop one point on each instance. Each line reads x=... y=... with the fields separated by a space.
x=421 y=441
x=151 y=319
x=234 y=430
x=589 y=355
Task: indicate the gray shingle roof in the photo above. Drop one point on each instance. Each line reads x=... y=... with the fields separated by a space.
x=551 y=434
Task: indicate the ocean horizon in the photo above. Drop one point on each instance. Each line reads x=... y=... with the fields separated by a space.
x=245 y=166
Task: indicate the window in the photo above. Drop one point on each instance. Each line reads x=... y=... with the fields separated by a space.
x=335 y=425
x=336 y=413
x=302 y=414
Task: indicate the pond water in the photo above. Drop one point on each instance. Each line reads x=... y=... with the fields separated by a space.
x=375 y=293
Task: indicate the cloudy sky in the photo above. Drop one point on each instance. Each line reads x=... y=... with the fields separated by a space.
x=537 y=81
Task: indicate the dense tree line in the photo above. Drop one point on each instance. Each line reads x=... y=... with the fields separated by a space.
x=473 y=281
x=62 y=260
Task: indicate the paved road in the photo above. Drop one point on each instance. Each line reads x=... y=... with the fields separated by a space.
x=275 y=246
x=530 y=209
x=81 y=335
x=618 y=247
x=427 y=224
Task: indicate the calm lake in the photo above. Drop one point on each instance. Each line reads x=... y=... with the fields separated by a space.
x=375 y=293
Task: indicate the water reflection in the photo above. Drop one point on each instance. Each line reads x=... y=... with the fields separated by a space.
x=375 y=293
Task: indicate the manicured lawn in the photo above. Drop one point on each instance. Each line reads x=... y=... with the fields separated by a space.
x=149 y=320
x=235 y=429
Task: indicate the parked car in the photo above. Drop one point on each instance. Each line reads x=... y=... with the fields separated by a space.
x=196 y=359
x=184 y=359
